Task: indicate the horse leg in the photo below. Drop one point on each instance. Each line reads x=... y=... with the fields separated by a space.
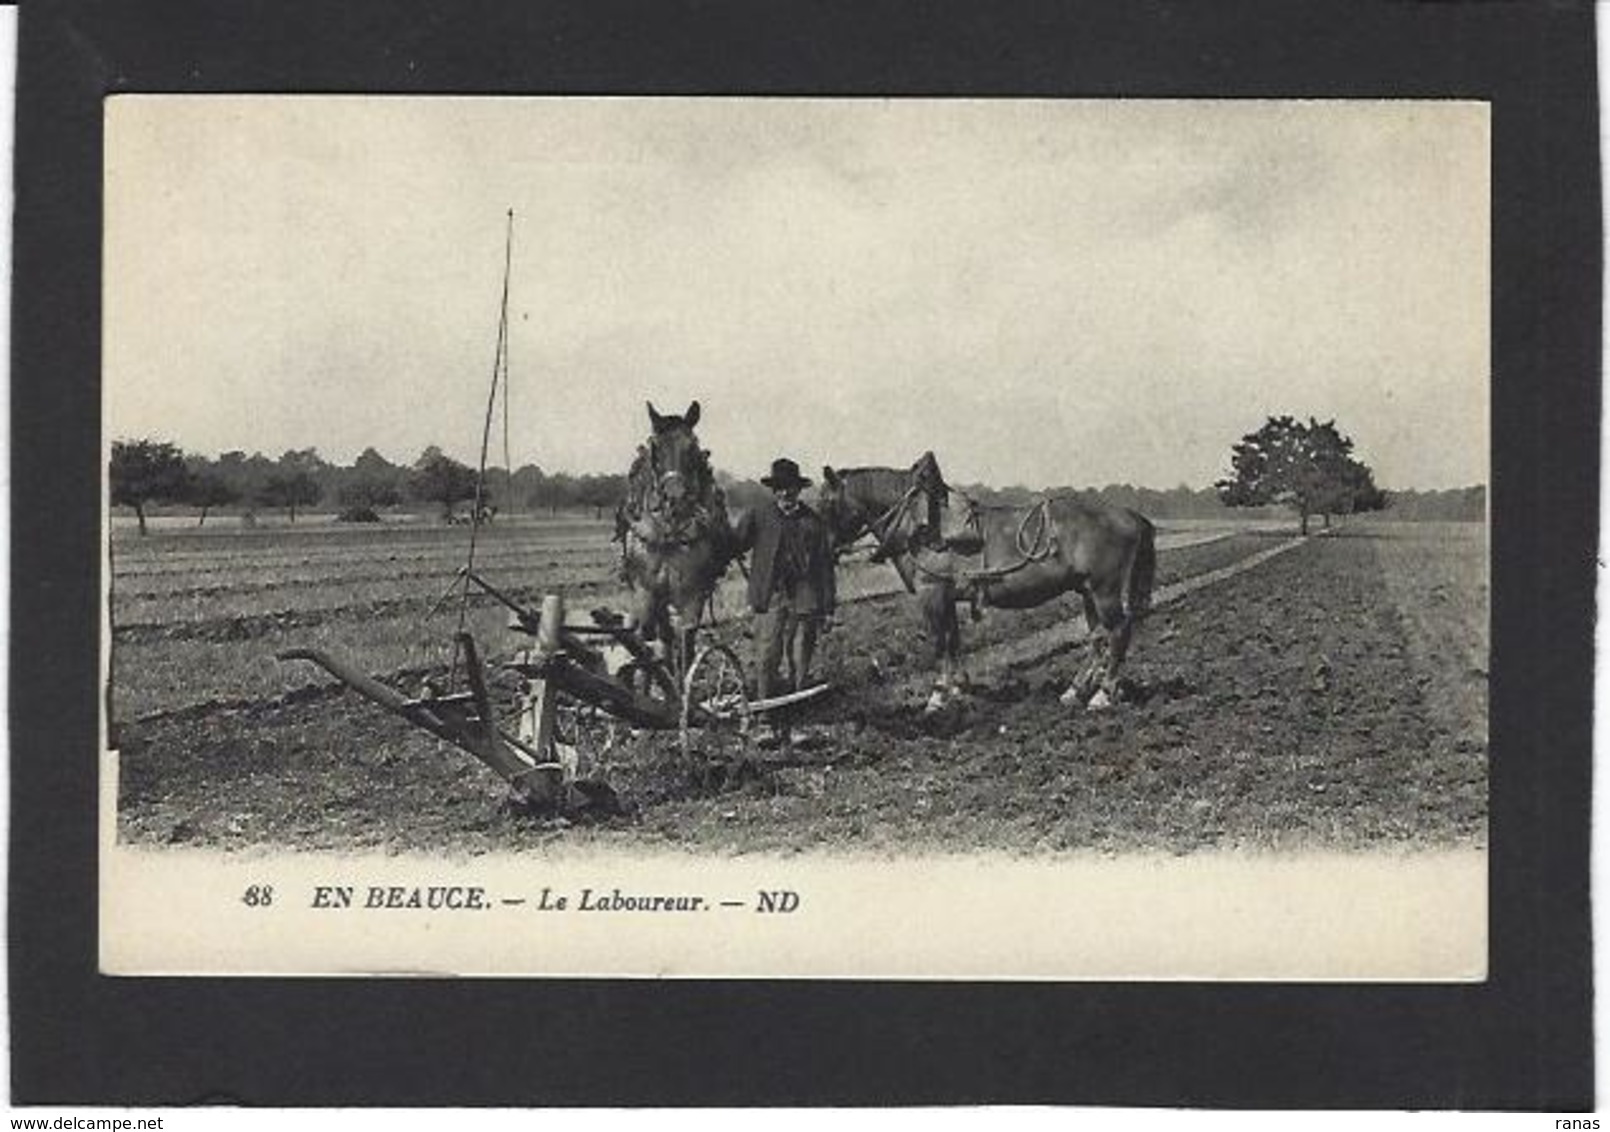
x=1117 y=649
x=953 y=649
x=1116 y=626
x=644 y=617
x=939 y=616
x=1085 y=681
x=682 y=640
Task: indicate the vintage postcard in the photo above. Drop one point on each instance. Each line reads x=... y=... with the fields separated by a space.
x=812 y=538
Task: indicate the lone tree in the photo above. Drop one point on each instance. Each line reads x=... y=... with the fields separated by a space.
x=290 y=490
x=147 y=471
x=441 y=479
x=1305 y=466
x=207 y=491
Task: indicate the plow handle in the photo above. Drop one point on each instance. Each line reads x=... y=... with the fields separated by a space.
x=482 y=739
x=370 y=688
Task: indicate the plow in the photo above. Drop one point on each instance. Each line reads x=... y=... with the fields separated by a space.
x=580 y=682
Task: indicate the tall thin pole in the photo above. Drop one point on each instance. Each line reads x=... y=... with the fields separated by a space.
x=499 y=370
x=508 y=462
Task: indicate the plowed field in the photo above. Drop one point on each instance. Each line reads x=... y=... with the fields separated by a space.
x=1331 y=696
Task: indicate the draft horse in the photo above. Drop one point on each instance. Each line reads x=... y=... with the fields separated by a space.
x=674 y=534
x=899 y=507
x=1005 y=557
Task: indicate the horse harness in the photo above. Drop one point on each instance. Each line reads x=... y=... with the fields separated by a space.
x=1031 y=548
x=1034 y=539
x=652 y=515
x=882 y=525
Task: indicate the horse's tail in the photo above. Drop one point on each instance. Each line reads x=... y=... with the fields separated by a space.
x=1141 y=572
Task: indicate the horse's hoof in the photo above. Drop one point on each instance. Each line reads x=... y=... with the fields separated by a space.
x=1100 y=700
x=936 y=702
x=1071 y=698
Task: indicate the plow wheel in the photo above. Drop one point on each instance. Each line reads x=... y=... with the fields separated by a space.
x=715 y=711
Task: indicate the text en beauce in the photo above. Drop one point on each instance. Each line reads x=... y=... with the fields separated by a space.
x=432 y=898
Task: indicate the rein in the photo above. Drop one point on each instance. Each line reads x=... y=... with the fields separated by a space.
x=894 y=513
x=882 y=528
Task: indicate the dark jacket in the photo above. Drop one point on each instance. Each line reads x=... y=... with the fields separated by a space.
x=761 y=531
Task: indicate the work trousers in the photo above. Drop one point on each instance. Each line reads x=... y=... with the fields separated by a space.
x=785 y=631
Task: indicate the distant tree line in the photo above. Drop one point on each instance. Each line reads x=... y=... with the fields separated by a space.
x=145 y=473
x=1175 y=503
x=1465 y=504
x=1453 y=504
x=1286 y=465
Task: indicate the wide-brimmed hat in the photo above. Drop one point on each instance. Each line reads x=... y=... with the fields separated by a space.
x=784 y=473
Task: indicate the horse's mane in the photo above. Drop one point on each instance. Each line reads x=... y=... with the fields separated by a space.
x=874 y=484
x=882 y=490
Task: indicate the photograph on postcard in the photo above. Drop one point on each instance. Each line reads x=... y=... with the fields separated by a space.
x=888 y=538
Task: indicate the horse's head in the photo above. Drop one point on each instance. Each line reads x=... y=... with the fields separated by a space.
x=890 y=503
x=678 y=469
x=833 y=503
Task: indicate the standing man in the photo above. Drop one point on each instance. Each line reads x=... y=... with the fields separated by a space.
x=791 y=586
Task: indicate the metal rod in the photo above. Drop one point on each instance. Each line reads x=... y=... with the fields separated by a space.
x=486 y=429
x=528 y=620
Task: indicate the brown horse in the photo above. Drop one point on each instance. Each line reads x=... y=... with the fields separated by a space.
x=1007 y=557
x=674 y=534
x=897 y=507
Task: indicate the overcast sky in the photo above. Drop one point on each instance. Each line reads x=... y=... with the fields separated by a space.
x=1043 y=292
